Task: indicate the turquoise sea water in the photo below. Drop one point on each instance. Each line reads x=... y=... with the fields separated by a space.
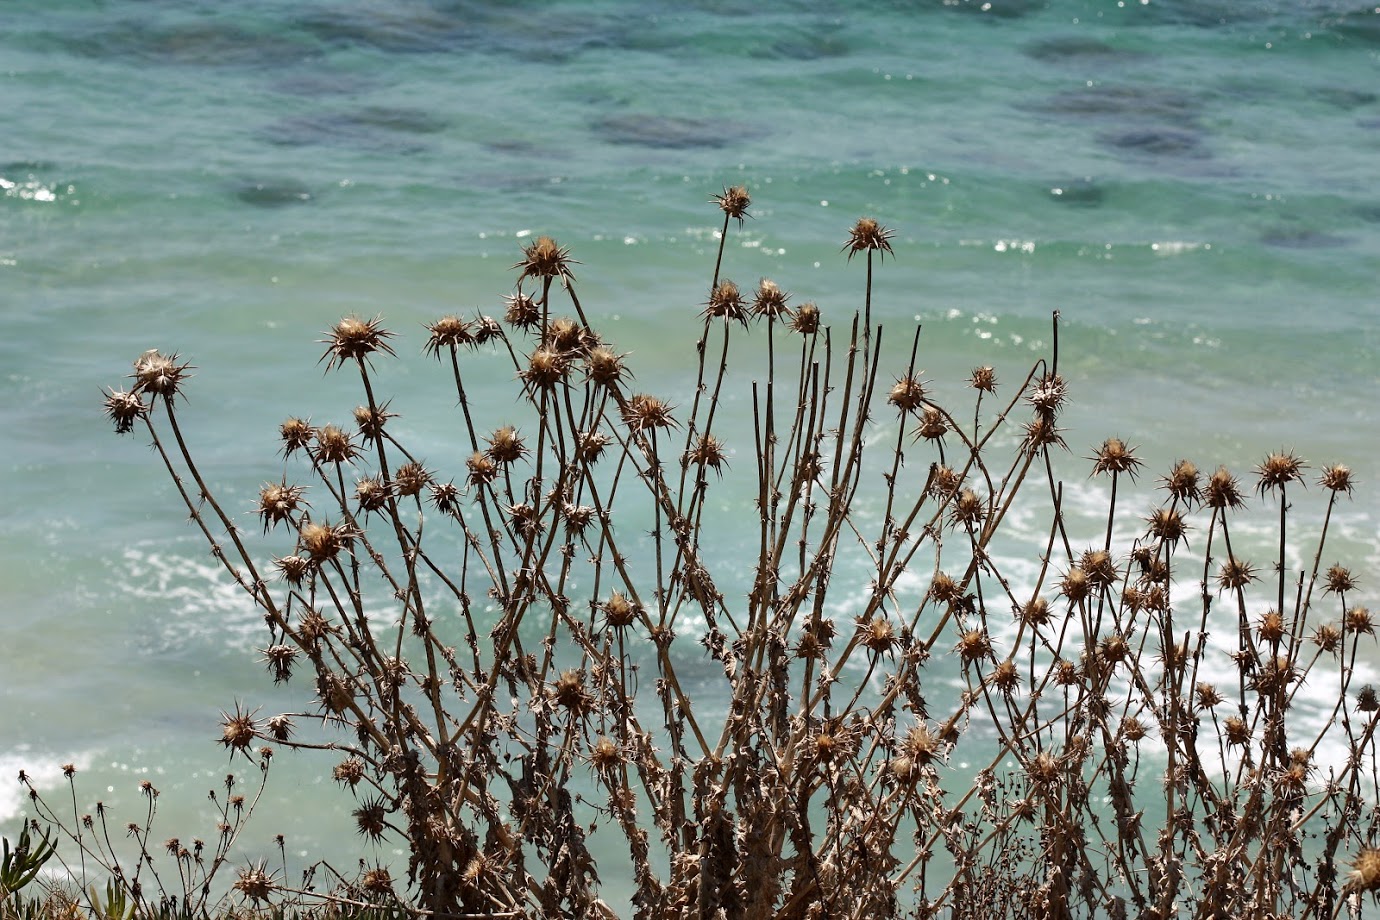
x=1191 y=184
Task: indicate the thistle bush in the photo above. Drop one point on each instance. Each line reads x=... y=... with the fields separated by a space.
x=508 y=652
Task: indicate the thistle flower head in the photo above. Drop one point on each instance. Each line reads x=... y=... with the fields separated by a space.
x=726 y=303
x=544 y=259
x=1337 y=478
x=296 y=434
x=619 y=611
x=1048 y=394
x=878 y=635
x=1339 y=580
x=569 y=692
x=1035 y=614
x=983 y=379
x=734 y=202
x=238 y=729
x=1235 y=574
x=770 y=300
x=1358 y=621
x=866 y=236
x=708 y=451
x=333 y=445
x=410 y=478
x=605 y=367
x=324 y=542
x=1365 y=872
x=1167 y=525
x=1278 y=470
x=277 y=502
x=806 y=319
x=159 y=374
x=371 y=819
x=448 y=332
x=1182 y=482
x=255 y=882
x=354 y=339
x=973 y=645
x=124 y=409
x=643 y=412
x=1115 y=457
x=521 y=311
x=506 y=446
x=545 y=368
x=1222 y=491
x=907 y=394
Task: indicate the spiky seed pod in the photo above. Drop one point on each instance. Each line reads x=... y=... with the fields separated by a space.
x=1236 y=731
x=604 y=754
x=878 y=635
x=1048 y=394
x=1075 y=585
x=1168 y=525
x=1207 y=694
x=708 y=452
x=277 y=502
x=1278 y=470
x=1157 y=598
x=577 y=517
x=254 y=881
x=124 y=409
x=903 y=769
x=1113 y=649
x=377 y=881
x=334 y=694
x=1133 y=599
x=1235 y=574
x=525 y=520
x=1114 y=456
x=1132 y=729
x=506 y=446
x=1066 y=674
x=445 y=496
x=806 y=319
x=590 y=445
x=1337 y=478
x=372 y=494
x=448 y=332
x=726 y=303
x=409 y=479
x=1270 y=627
x=569 y=692
x=1277 y=674
x=482 y=469
x=907 y=394
x=1339 y=580
x=292 y=568
x=1036 y=613
x=1006 y=677
x=1182 y=482
x=605 y=367
x=944 y=482
x=619 y=612
x=1327 y=637
x=867 y=236
x=371 y=819
x=521 y=311
x=1098 y=564
x=734 y=202
x=486 y=329
x=323 y=542
x=1222 y=491
x=565 y=334
x=770 y=300
x=1044 y=769
x=238 y=729
x=312 y=627
x=349 y=772
x=932 y=426
x=944 y=589
x=1366 y=700
x=297 y=434
x=544 y=259
x=643 y=412
x=1358 y=621
x=545 y=368
x=1040 y=433
x=354 y=339
x=968 y=509
x=280 y=659
x=920 y=745
x=974 y=645
x=333 y=445
x=984 y=379
x=1365 y=872
x=158 y=374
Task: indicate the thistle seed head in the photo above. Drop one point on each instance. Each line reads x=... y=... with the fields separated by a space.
x=1222 y=491
x=878 y=635
x=255 y=882
x=333 y=445
x=371 y=819
x=1115 y=457
x=277 y=502
x=159 y=374
x=708 y=452
x=605 y=367
x=566 y=335
x=867 y=236
x=569 y=692
x=983 y=379
x=1006 y=677
x=124 y=409
x=920 y=745
x=279 y=659
x=907 y=394
x=296 y=435
x=1235 y=574
x=590 y=445
x=1207 y=694
x=1236 y=731
x=372 y=421
x=1278 y=470
x=448 y=332
x=605 y=754
x=1048 y=394
x=1098 y=564
x=506 y=446
x=1040 y=433
x=545 y=368
x=643 y=412
x=1035 y=614
x=944 y=482
x=377 y=881
x=445 y=496
x=974 y=645
x=238 y=729
x=1167 y=525
x=932 y=426
x=770 y=300
x=944 y=589
x=1132 y=729
x=372 y=494
x=323 y=542
x=1358 y=621
x=1076 y=585
x=1327 y=637
x=1270 y=627
x=1339 y=580
x=968 y=509
x=1182 y=482
x=1337 y=478
x=410 y=478
x=619 y=612
x=521 y=311
x=1366 y=700
x=1365 y=872
x=354 y=339
x=806 y=319
x=1044 y=769
x=734 y=202
x=544 y=259
x=293 y=569
x=726 y=303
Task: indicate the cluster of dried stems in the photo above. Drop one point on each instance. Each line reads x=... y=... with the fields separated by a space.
x=506 y=660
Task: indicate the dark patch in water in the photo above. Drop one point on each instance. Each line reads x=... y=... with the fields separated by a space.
x=1156 y=141
x=1361 y=25
x=1083 y=193
x=810 y=46
x=666 y=131
x=1370 y=213
x=205 y=43
x=1344 y=98
x=1157 y=103
x=401 y=29
x=376 y=128
x=273 y=194
x=1075 y=48
x=1301 y=238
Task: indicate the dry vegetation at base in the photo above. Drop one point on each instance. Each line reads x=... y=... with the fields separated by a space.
x=500 y=656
